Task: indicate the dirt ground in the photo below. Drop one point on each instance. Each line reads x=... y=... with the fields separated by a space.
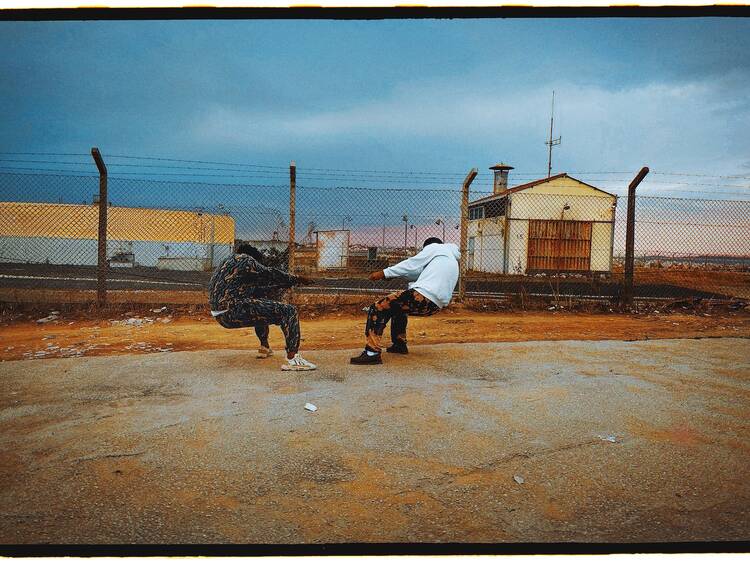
x=74 y=335
x=533 y=441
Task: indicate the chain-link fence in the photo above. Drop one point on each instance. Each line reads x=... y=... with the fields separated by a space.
x=553 y=238
x=573 y=246
x=345 y=232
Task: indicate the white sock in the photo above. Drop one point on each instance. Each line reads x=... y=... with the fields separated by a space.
x=371 y=353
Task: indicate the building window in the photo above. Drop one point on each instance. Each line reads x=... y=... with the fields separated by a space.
x=496 y=208
x=476 y=213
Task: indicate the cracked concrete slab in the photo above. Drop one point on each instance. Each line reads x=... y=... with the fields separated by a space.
x=216 y=446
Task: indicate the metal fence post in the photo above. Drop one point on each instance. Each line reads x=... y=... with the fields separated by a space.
x=292 y=212
x=627 y=293
x=101 y=262
x=464 y=232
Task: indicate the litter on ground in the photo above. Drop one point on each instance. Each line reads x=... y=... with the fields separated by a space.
x=46 y=319
x=135 y=321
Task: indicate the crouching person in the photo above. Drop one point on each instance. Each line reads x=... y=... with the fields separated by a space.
x=244 y=293
x=433 y=274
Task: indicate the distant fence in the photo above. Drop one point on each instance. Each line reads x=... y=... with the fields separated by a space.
x=164 y=235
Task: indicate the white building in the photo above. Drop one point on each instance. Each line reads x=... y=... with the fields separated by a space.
x=554 y=224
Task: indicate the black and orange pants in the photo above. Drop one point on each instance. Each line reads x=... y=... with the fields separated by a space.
x=259 y=314
x=395 y=307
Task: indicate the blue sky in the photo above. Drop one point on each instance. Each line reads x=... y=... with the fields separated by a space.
x=442 y=95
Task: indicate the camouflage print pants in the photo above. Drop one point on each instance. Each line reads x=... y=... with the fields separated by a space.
x=259 y=313
x=395 y=307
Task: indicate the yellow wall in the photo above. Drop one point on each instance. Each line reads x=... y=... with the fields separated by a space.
x=565 y=186
x=518 y=243
x=601 y=246
x=545 y=202
x=123 y=223
x=489 y=240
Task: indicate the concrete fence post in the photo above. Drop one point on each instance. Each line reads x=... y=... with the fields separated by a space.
x=627 y=292
x=101 y=265
x=292 y=213
x=464 y=232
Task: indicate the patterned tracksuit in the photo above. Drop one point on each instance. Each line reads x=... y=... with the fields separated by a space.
x=249 y=292
x=395 y=307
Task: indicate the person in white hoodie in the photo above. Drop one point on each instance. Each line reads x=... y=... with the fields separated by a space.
x=432 y=276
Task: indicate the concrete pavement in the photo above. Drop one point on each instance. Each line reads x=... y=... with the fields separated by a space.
x=612 y=441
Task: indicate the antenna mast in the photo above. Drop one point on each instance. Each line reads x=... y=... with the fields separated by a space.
x=552 y=142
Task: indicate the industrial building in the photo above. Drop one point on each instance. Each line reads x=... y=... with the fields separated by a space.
x=67 y=234
x=553 y=224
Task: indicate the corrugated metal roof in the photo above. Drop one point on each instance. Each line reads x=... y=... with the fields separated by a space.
x=532 y=184
x=54 y=220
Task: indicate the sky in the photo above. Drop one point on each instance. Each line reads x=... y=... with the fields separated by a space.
x=407 y=94
x=428 y=96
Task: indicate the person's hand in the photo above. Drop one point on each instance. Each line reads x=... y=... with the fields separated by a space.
x=377 y=275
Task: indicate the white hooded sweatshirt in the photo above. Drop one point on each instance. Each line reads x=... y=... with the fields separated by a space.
x=433 y=272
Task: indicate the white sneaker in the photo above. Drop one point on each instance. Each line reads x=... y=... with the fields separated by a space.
x=298 y=363
x=264 y=353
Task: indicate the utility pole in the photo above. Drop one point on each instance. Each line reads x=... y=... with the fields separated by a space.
x=552 y=142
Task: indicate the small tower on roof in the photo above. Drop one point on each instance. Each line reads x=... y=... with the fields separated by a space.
x=500 y=184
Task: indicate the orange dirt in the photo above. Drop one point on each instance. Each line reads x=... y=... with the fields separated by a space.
x=73 y=336
x=735 y=283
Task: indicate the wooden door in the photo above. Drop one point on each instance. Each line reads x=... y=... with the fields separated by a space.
x=559 y=246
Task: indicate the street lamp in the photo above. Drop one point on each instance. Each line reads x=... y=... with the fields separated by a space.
x=414 y=228
x=346 y=219
x=383 y=215
x=406 y=230
x=441 y=221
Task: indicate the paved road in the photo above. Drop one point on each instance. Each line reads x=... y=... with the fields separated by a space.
x=39 y=276
x=216 y=446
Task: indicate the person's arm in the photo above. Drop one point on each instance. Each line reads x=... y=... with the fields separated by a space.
x=279 y=277
x=409 y=268
x=266 y=275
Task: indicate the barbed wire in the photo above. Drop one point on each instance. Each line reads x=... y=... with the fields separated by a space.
x=85 y=173
x=452 y=190
x=46 y=153
x=360 y=175
x=193 y=161
x=406 y=173
x=154 y=245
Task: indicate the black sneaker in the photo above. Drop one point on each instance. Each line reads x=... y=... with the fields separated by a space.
x=398 y=348
x=364 y=359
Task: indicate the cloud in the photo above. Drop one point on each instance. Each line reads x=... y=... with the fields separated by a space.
x=687 y=125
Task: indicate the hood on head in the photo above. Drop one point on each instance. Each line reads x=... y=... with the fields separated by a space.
x=450 y=250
